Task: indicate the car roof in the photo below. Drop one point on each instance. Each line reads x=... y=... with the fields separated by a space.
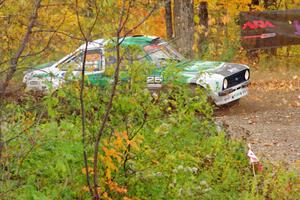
x=139 y=40
x=96 y=44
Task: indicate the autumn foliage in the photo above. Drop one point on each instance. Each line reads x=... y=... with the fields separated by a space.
x=164 y=146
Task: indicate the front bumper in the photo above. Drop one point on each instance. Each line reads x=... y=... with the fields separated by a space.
x=231 y=94
x=154 y=86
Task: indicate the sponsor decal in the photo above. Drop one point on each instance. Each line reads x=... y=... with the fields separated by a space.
x=151 y=48
x=256 y=24
x=261 y=36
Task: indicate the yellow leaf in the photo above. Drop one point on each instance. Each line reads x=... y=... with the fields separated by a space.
x=154 y=161
x=85 y=188
x=108 y=173
x=211 y=21
x=226 y=19
x=115 y=187
x=125 y=136
x=90 y=170
x=132 y=144
x=196 y=19
x=105 y=195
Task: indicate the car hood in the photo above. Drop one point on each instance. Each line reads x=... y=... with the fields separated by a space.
x=221 y=68
x=228 y=69
x=207 y=71
x=41 y=66
x=40 y=71
x=199 y=66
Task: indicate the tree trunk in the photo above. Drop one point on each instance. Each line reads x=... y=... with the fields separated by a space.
x=169 y=19
x=253 y=3
x=203 y=16
x=184 y=26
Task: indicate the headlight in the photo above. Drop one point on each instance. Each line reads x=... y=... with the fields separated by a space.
x=158 y=79
x=247 y=75
x=150 y=79
x=225 y=84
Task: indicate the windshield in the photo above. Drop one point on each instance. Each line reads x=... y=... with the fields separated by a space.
x=162 y=52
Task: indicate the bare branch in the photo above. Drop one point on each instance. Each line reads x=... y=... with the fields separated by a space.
x=58 y=32
x=96 y=19
x=1 y=2
x=82 y=108
x=142 y=21
x=122 y=13
x=47 y=45
x=134 y=133
x=79 y=23
x=121 y=26
x=15 y=59
x=83 y=120
x=26 y=129
x=109 y=104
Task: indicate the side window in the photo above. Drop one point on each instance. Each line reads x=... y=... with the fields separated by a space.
x=129 y=55
x=71 y=63
x=111 y=59
x=94 y=61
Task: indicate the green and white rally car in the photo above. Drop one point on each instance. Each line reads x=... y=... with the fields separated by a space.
x=227 y=82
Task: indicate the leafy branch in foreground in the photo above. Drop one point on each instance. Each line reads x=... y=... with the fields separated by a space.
x=125 y=12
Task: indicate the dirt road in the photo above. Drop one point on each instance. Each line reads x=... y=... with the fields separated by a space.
x=269 y=118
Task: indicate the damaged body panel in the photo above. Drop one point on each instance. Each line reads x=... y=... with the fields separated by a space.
x=226 y=82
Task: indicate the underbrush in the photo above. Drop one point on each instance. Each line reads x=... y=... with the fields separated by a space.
x=154 y=147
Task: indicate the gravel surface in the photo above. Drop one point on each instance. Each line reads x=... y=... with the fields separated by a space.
x=269 y=117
